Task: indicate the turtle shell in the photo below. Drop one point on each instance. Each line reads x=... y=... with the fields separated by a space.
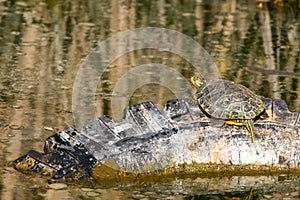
x=226 y=100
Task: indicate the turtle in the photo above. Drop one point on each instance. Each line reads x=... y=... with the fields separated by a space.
x=224 y=100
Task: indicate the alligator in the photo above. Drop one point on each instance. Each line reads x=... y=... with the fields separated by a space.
x=178 y=139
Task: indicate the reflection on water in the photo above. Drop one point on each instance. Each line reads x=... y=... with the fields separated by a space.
x=42 y=44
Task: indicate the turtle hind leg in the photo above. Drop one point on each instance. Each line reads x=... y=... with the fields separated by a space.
x=245 y=122
x=250 y=127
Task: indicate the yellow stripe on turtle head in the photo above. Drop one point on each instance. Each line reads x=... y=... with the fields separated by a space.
x=196 y=81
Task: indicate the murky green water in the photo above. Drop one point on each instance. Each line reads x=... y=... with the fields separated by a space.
x=42 y=44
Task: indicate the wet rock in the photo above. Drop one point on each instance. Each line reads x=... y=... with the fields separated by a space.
x=87 y=189
x=267 y=196
x=93 y=194
x=58 y=186
x=15 y=127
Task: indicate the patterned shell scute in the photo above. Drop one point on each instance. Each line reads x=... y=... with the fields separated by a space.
x=227 y=100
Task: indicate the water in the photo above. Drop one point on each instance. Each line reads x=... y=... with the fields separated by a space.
x=43 y=44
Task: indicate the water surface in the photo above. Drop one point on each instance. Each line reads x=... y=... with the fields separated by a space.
x=42 y=46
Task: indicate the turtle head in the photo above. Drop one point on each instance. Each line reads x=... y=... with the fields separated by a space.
x=196 y=81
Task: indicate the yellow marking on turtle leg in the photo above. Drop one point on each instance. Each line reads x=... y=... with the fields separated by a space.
x=246 y=122
x=233 y=122
x=249 y=125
